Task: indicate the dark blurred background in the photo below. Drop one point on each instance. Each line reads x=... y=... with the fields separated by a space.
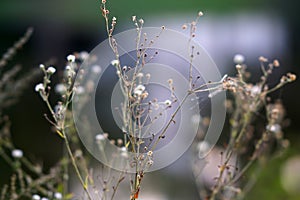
x=269 y=28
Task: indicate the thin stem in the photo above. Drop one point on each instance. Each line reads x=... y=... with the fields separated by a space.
x=73 y=161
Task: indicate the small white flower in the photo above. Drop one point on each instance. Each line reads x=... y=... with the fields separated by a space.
x=140 y=75
x=58 y=195
x=255 y=90
x=79 y=90
x=203 y=148
x=71 y=58
x=36 y=197
x=141 y=21
x=83 y=55
x=39 y=87
x=168 y=102
x=200 y=13
x=51 y=70
x=124 y=152
x=238 y=59
x=42 y=66
x=150 y=162
x=114 y=62
x=114 y=19
x=150 y=153
x=17 y=153
x=99 y=137
x=60 y=88
x=123 y=149
x=68 y=67
x=133 y=18
x=275 y=128
x=96 y=69
x=44 y=198
x=139 y=90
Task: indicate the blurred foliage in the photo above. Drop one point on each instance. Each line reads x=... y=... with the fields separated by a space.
x=84 y=11
x=268 y=185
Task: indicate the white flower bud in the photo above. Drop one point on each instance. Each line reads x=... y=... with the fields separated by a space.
x=96 y=69
x=36 y=197
x=39 y=87
x=71 y=58
x=51 y=70
x=141 y=21
x=17 y=153
x=238 y=59
x=114 y=62
x=60 y=88
x=140 y=75
x=42 y=66
x=139 y=90
x=99 y=137
x=58 y=195
x=168 y=102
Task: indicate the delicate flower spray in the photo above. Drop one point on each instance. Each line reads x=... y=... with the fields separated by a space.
x=137 y=110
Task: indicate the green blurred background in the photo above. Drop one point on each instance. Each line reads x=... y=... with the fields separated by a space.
x=65 y=26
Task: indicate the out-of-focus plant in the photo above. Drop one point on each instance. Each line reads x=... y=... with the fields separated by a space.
x=256 y=131
x=28 y=180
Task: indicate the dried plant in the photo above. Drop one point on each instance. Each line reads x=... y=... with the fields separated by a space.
x=248 y=142
x=253 y=137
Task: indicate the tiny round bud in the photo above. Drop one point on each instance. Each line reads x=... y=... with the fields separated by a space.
x=36 y=197
x=184 y=26
x=238 y=67
x=140 y=75
x=99 y=137
x=17 y=153
x=39 y=87
x=96 y=69
x=42 y=66
x=58 y=195
x=262 y=59
x=150 y=153
x=168 y=102
x=71 y=58
x=51 y=70
x=291 y=77
x=119 y=142
x=276 y=63
x=200 y=13
x=141 y=21
x=148 y=76
x=115 y=62
x=150 y=162
x=238 y=59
